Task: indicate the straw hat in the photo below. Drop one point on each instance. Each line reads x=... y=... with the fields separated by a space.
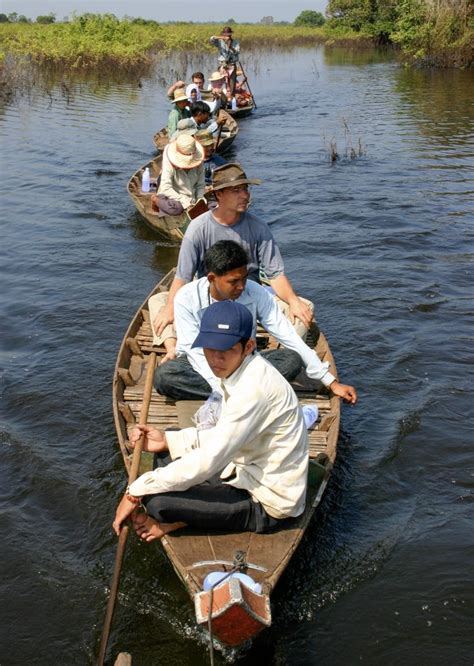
x=179 y=95
x=230 y=175
x=216 y=76
x=204 y=137
x=185 y=152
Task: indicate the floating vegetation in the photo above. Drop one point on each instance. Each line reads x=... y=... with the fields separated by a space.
x=350 y=151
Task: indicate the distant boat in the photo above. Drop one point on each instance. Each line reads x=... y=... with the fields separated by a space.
x=232 y=610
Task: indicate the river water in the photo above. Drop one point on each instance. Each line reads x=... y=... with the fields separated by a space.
x=383 y=245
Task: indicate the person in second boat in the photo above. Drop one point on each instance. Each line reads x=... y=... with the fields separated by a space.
x=189 y=377
x=182 y=176
x=249 y=471
x=231 y=221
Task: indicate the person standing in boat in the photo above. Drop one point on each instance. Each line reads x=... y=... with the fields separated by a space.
x=182 y=176
x=180 y=110
x=231 y=221
x=247 y=472
x=229 y=54
x=188 y=376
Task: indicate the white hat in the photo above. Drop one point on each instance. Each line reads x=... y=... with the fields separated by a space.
x=185 y=152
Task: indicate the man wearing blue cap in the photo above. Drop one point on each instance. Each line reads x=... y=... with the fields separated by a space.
x=246 y=473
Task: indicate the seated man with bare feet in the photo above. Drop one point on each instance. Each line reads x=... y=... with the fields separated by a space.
x=248 y=472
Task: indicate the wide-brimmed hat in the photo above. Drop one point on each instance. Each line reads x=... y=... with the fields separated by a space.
x=223 y=324
x=230 y=175
x=216 y=76
x=179 y=95
x=204 y=137
x=227 y=30
x=185 y=152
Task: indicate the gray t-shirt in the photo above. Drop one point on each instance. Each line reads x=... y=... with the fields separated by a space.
x=252 y=234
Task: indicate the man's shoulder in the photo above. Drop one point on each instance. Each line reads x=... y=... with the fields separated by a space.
x=255 y=221
x=191 y=289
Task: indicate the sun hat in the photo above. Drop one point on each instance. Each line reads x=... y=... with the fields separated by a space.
x=185 y=152
x=230 y=175
x=216 y=76
x=204 y=137
x=179 y=95
x=186 y=125
x=223 y=324
x=227 y=30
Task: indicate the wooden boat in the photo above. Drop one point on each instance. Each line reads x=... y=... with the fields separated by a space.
x=168 y=227
x=229 y=132
x=233 y=612
x=241 y=111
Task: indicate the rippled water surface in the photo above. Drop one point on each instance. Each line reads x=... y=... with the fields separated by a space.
x=382 y=244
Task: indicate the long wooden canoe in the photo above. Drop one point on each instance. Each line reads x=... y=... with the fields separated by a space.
x=168 y=227
x=238 y=613
x=229 y=132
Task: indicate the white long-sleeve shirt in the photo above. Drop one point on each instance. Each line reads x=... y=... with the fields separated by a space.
x=190 y=303
x=260 y=442
x=184 y=185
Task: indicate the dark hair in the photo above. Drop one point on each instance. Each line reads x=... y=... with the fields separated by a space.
x=225 y=256
x=243 y=342
x=197 y=75
x=199 y=107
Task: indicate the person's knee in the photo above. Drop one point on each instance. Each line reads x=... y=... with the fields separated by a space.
x=165 y=377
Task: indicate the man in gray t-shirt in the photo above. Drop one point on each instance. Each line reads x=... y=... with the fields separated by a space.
x=249 y=232
x=231 y=221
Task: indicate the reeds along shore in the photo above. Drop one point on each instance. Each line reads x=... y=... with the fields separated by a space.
x=100 y=42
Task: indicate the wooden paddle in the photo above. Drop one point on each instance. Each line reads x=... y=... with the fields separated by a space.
x=219 y=134
x=247 y=82
x=122 y=541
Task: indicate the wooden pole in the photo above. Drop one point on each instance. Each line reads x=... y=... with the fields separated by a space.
x=247 y=82
x=122 y=542
x=219 y=135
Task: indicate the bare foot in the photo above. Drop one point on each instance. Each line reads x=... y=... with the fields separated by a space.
x=150 y=529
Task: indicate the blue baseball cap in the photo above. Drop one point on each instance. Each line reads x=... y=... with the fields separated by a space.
x=223 y=324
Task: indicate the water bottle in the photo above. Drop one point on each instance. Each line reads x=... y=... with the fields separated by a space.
x=310 y=415
x=234 y=104
x=146 y=180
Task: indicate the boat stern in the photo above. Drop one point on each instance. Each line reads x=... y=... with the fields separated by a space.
x=238 y=613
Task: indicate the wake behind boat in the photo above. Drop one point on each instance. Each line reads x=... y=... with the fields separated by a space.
x=233 y=610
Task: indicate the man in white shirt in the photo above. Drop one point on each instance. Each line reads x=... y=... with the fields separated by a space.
x=189 y=376
x=246 y=473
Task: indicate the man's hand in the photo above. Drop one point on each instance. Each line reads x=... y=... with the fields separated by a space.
x=164 y=317
x=154 y=440
x=344 y=391
x=169 y=356
x=302 y=310
x=124 y=509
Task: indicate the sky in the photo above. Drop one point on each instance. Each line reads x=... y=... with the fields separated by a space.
x=183 y=10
